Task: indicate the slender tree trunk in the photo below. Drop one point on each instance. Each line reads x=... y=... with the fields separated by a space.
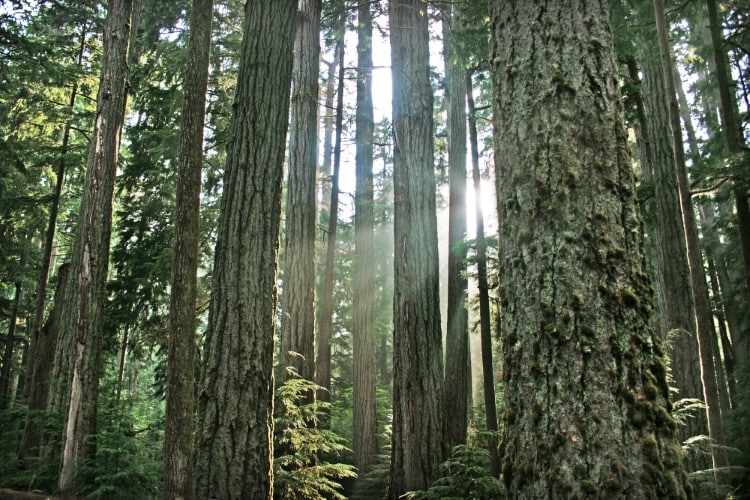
x=704 y=319
x=365 y=368
x=457 y=374
x=82 y=319
x=325 y=324
x=234 y=448
x=178 y=418
x=298 y=296
x=485 y=321
x=417 y=444
x=6 y=396
x=733 y=135
x=586 y=396
x=324 y=173
x=39 y=389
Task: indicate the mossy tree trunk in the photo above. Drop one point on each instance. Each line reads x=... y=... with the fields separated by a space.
x=179 y=415
x=457 y=373
x=417 y=444
x=365 y=368
x=85 y=295
x=298 y=295
x=234 y=449
x=587 y=401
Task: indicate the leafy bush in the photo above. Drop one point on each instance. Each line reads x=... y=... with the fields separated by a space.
x=465 y=475
x=298 y=470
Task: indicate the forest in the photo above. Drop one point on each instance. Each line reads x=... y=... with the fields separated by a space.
x=364 y=249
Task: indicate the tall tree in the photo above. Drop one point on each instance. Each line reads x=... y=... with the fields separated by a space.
x=298 y=295
x=417 y=444
x=586 y=396
x=325 y=322
x=178 y=417
x=365 y=443
x=82 y=320
x=485 y=319
x=704 y=318
x=677 y=315
x=457 y=373
x=733 y=135
x=234 y=449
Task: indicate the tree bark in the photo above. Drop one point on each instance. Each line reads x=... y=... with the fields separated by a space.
x=179 y=414
x=85 y=295
x=234 y=448
x=298 y=295
x=417 y=445
x=587 y=408
x=6 y=394
x=365 y=368
x=457 y=373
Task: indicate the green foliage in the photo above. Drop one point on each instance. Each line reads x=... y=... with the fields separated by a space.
x=300 y=472
x=464 y=475
x=128 y=462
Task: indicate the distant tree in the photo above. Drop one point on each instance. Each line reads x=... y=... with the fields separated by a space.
x=417 y=445
x=82 y=319
x=457 y=373
x=587 y=408
x=365 y=443
x=234 y=450
x=178 y=418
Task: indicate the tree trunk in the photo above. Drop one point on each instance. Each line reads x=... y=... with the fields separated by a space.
x=325 y=324
x=457 y=374
x=677 y=318
x=234 y=449
x=85 y=295
x=39 y=381
x=179 y=415
x=587 y=408
x=298 y=295
x=417 y=444
x=6 y=396
x=365 y=369
x=704 y=319
x=485 y=320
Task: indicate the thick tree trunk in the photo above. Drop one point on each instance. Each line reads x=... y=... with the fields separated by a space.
x=179 y=415
x=704 y=319
x=365 y=369
x=82 y=319
x=298 y=295
x=417 y=444
x=325 y=323
x=457 y=374
x=587 y=407
x=485 y=320
x=234 y=449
